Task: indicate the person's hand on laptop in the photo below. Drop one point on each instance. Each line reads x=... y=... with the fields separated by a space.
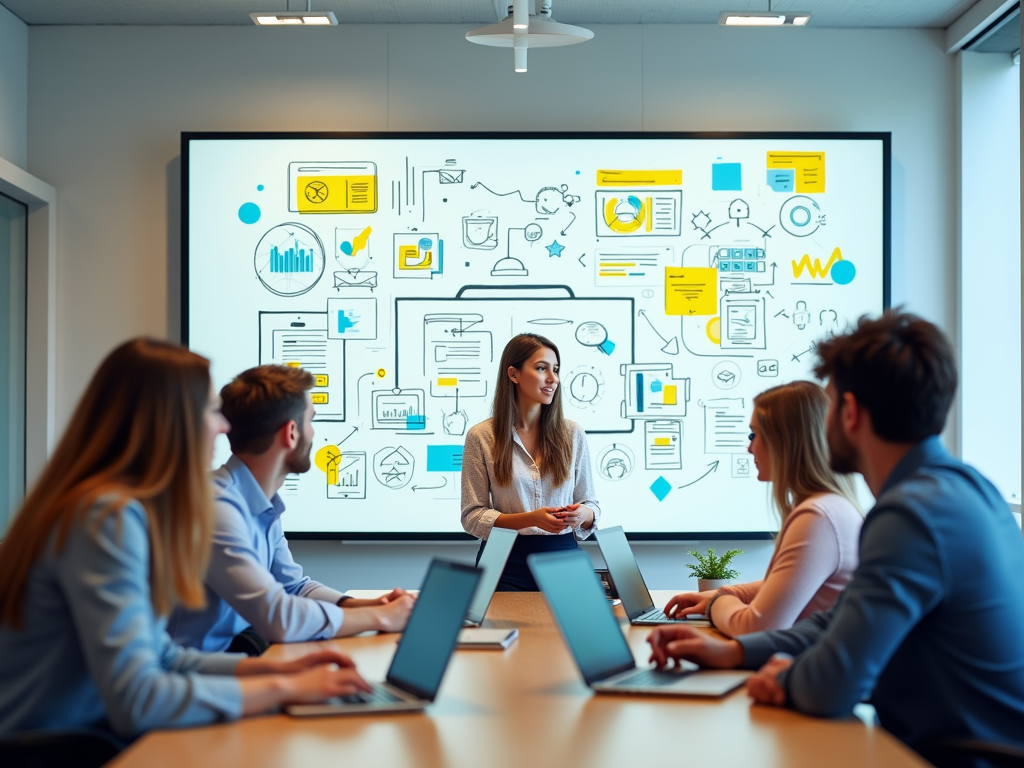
x=260 y=665
x=359 y=602
x=686 y=603
x=675 y=643
x=321 y=683
x=764 y=687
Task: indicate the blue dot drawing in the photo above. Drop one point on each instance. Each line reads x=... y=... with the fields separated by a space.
x=249 y=213
x=259 y=187
x=843 y=272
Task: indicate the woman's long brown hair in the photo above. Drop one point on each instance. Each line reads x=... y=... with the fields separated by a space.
x=136 y=434
x=555 y=443
x=791 y=420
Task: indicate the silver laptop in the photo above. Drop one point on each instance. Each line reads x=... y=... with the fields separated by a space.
x=629 y=582
x=492 y=563
x=596 y=642
x=422 y=657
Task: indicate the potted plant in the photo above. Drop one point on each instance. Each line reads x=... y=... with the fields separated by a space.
x=713 y=571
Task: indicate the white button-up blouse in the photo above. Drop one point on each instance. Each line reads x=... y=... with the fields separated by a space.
x=483 y=499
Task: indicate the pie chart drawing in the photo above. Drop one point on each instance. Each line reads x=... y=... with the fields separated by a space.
x=289 y=259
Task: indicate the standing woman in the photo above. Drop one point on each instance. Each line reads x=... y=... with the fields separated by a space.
x=816 y=549
x=116 y=532
x=527 y=468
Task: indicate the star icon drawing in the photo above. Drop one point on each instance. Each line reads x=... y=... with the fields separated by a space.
x=555 y=249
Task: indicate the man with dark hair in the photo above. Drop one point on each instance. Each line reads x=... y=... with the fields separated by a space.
x=255 y=591
x=930 y=626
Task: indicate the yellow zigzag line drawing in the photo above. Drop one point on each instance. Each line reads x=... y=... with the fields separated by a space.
x=814 y=268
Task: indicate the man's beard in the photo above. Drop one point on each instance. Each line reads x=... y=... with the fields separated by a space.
x=298 y=460
x=842 y=456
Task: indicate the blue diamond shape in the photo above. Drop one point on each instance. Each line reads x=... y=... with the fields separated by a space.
x=661 y=488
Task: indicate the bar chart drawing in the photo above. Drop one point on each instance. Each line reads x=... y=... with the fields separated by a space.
x=289 y=259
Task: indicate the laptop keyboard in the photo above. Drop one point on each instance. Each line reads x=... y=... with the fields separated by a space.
x=376 y=696
x=656 y=615
x=650 y=678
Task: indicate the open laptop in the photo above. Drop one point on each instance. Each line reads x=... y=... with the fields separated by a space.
x=422 y=657
x=492 y=563
x=629 y=582
x=596 y=642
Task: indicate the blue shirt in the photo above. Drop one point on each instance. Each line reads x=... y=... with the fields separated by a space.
x=91 y=652
x=252 y=579
x=931 y=625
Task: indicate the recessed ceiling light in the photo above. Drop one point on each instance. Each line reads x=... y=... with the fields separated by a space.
x=767 y=18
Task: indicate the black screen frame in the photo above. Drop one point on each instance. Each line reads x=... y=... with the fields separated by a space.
x=885 y=137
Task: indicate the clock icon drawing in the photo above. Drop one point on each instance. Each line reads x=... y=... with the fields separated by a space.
x=316 y=192
x=586 y=386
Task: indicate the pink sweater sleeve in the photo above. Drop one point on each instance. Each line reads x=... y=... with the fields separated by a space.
x=807 y=555
x=745 y=592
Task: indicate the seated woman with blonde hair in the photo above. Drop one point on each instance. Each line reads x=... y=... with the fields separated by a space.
x=116 y=532
x=816 y=548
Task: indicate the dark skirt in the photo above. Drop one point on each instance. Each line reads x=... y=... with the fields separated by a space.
x=517 y=577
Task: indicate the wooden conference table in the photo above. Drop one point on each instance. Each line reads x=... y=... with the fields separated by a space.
x=526 y=707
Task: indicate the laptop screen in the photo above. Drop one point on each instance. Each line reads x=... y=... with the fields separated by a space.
x=583 y=614
x=492 y=563
x=636 y=599
x=433 y=628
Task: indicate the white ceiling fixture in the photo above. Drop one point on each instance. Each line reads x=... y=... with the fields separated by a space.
x=767 y=18
x=307 y=18
x=528 y=25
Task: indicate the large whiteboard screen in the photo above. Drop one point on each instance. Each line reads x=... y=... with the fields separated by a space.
x=678 y=275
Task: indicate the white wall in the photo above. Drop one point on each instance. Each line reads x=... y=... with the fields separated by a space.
x=108 y=103
x=990 y=354
x=13 y=89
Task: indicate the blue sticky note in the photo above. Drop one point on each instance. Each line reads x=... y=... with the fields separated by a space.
x=660 y=488
x=726 y=177
x=656 y=385
x=415 y=421
x=607 y=346
x=444 y=458
x=780 y=179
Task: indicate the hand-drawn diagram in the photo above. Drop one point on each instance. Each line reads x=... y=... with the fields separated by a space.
x=393 y=466
x=289 y=259
x=668 y=321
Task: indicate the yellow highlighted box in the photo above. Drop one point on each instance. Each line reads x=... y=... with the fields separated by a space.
x=448 y=381
x=320 y=380
x=662 y=441
x=668 y=396
x=691 y=291
x=293 y=364
x=808 y=169
x=615 y=178
x=319 y=398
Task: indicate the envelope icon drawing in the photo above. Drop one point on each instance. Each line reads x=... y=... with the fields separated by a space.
x=355 y=278
x=452 y=177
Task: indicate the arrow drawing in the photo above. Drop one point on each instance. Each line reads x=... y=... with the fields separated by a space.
x=569 y=224
x=580 y=259
x=354 y=430
x=444 y=482
x=713 y=468
x=671 y=346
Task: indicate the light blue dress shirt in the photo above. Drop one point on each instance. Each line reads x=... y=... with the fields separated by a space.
x=92 y=653
x=252 y=579
x=930 y=626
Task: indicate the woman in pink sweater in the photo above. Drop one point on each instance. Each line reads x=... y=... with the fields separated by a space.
x=816 y=549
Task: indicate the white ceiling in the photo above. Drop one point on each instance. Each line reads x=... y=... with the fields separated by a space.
x=825 y=13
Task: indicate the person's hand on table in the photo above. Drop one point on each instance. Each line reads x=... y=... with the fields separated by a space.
x=764 y=687
x=264 y=666
x=672 y=644
x=393 y=616
x=359 y=602
x=686 y=603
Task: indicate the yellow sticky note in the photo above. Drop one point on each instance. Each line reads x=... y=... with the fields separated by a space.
x=447 y=381
x=320 y=379
x=293 y=364
x=668 y=394
x=808 y=168
x=691 y=291
x=662 y=441
x=319 y=398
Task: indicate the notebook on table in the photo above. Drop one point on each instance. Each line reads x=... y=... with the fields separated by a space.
x=422 y=657
x=597 y=644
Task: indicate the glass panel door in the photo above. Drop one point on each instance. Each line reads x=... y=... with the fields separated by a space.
x=13 y=257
